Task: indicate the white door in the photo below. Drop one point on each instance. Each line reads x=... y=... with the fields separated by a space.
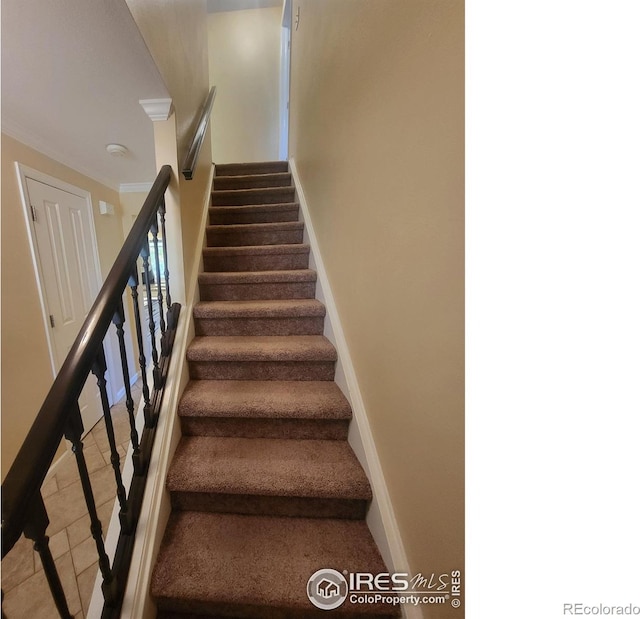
x=69 y=274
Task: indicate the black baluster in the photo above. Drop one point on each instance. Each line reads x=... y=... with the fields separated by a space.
x=73 y=433
x=99 y=370
x=35 y=529
x=118 y=321
x=154 y=234
x=162 y=211
x=152 y=325
x=133 y=284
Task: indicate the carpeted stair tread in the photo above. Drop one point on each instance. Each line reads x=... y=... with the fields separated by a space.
x=255 y=208
x=257 y=284
x=267 y=467
x=274 y=308
x=256 y=257
x=264 y=399
x=252 y=181
x=258 y=566
x=260 y=250
x=277 y=233
x=261 y=348
x=236 y=228
x=264 y=409
x=265 y=195
x=259 y=317
x=254 y=167
x=258 y=277
x=254 y=213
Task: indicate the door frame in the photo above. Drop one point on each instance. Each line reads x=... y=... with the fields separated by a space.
x=285 y=80
x=24 y=172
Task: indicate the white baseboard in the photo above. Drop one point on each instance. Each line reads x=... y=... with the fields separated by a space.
x=156 y=505
x=154 y=489
x=122 y=391
x=380 y=517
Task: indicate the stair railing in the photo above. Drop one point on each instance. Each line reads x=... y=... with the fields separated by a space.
x=23 y=507
x=188 y=167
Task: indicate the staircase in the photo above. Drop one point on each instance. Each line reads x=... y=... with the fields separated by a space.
x=265 y=490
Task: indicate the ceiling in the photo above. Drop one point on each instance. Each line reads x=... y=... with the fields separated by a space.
x=72 y=75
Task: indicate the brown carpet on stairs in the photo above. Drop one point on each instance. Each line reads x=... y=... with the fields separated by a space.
x=257 y=285
x=254 y=213
x=265 y=490
x=256 y=257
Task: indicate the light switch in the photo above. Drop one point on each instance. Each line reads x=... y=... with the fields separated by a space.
x=106 y=208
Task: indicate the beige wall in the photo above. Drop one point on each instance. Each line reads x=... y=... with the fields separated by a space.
x=377 y=132
x=244 y=64
x=176 y=33
x=26 y=369
x=130 y=205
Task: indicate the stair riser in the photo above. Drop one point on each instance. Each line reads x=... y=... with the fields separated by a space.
x=216 y=238
x=223 y=183
x=305 y=325
x=222 y=217
x=302 y=429
x=253 y=292
x=262 y=370
x=258 y=262
x=264 y=196
x=292 y=507
x=239 y=169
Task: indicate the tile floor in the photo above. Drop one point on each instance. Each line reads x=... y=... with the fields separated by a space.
x=26 y=593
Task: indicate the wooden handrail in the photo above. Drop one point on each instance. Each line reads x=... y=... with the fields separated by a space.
x=190 y=160
x=23 y=481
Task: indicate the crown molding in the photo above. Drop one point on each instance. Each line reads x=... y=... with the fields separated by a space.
x=135 y=187
x=157 y=109
x=220 y=6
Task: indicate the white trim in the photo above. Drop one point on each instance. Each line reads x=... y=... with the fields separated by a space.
x=26 y=137
x=156 y=508
x=380 y=517
x=24 y=172
x=223 y=6
x=156 y=505
x=157 y=109
x=135 y=187
x=286 y=14
x=156 y=501
x=284 y=82
x=122 y=391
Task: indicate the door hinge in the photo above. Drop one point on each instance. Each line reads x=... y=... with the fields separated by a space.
x=52 y=321
x=34 y=213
